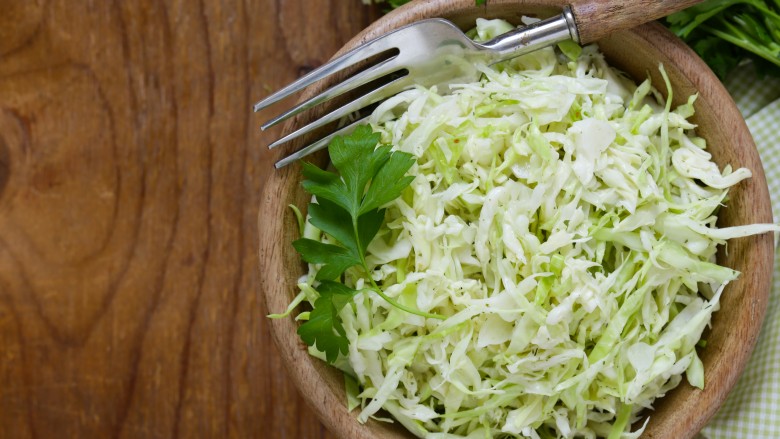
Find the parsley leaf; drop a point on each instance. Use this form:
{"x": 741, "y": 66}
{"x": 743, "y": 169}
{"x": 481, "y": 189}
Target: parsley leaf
{"x": 348, "y": 210}
{"x": 324, "y": 329}
{"x": 335, "y": 259}
{"x": 724, "y": 32}
{"x": 336, "y": 222}
{"x": 389, "y": 182}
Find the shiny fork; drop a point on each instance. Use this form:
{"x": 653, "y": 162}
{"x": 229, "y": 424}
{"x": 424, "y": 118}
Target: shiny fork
{"x": 435, "y": 52}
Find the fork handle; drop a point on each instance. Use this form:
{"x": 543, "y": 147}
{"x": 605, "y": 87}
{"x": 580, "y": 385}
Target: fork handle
{"x": 598, "y": 18}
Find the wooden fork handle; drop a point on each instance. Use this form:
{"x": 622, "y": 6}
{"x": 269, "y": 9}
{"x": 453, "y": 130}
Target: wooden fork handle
{"x": 598, "y": 18}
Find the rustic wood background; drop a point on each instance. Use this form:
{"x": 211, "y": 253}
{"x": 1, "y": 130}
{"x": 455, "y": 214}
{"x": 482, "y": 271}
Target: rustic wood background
{"x": 130, "y": 168}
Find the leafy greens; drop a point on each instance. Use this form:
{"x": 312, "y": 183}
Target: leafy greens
{"x": 347, "y": 208}
{"x": 723, "y": 32}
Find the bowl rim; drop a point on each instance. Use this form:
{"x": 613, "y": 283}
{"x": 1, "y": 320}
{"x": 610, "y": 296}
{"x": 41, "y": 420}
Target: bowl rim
{"x": 327, "y": 397}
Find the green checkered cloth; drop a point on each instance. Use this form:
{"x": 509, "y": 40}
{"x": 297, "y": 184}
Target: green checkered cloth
{"x": 752, "y": 410}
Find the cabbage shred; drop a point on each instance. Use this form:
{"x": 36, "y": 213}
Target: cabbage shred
{"x": 563, "y": 219}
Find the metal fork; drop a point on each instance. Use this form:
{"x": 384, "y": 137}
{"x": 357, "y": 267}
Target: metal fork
{"x": 436, "y": 52}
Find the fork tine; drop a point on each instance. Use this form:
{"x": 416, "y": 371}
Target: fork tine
{"x": 380, "y": 93}
{"x": 355, "y": 55}
{"x": 375, "y": 72}
{"x": 318, "y": 145}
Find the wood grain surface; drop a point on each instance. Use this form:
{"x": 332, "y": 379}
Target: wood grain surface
{"x": 598, "y": 18}
{"x": 130, "y": 172}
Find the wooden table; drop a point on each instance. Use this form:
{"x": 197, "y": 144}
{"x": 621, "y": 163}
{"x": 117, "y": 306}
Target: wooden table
{"x": 130, "y": 167}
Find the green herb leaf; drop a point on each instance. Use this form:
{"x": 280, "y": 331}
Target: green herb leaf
{"x": 335, "y": 221}
{"x": 368, "y": 225}
{"x": 335, "y": 259}
{"x": 333, "y": 190}
{"x": 324, "y": 330}
{"x": 389, "y": 182}
{"x": 724, "y": 32}
{"x": 353, "y": 156}
{"x": 318, "y": 175}
{"x": 347, "y": 208}
{"x": 721, "y": 59}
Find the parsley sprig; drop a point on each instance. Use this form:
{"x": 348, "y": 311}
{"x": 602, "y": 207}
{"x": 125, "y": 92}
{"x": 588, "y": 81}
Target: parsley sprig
{"x": 723, "y": 32}
{"x": 347, "y": 208}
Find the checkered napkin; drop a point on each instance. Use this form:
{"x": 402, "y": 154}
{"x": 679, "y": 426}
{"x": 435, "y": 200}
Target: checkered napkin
{"x": 752, "y": 409}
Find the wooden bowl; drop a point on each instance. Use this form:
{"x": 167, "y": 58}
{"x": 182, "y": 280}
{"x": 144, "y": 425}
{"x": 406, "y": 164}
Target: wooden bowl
{"x": 682, "y": 412}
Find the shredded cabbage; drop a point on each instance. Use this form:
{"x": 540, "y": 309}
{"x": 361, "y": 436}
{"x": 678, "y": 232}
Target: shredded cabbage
{"x": 563, "y": 219}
